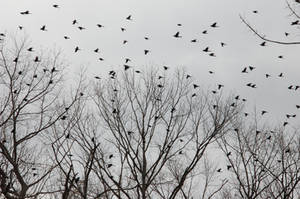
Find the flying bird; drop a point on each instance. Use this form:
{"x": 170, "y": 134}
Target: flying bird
{"x": 177, "y": 35}
{"x": 214, "y": 25}
{"x": 25, "y": 12}
{"x": 129, "y": 17}
{"x": 43, "y": 28}
{"x": 77, "y": 49}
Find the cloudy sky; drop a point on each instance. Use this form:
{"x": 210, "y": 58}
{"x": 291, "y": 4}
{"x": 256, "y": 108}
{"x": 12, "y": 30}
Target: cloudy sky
{"x": 157, "y": 20}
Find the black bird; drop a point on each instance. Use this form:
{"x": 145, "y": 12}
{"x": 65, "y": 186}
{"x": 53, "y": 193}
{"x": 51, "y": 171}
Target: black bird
{"x": 263, "y": 43}
{"x": 298, "y": 106}
{"x": 280, "y": 75}
{"x": 194, "y": 95}
{"x": 194, "y": 40}
{"x": 223, "y": 44}
{"x": 220, "y": 86}
{"x": 15, "y": 60}
{"x": 295, "y": 22}
{"x": 74, "y": 22}
{"x": 146, "y": 52}
{"x": 285, "y": 123}
{"x": 109, "y": 165}
{"x": 127, "y": 60}
{"x": 211, "y": 72}
{"x": 123, "y": 29}
{"x": 126, "y": 67}
{"x": 110, "y": 156}
{"x": 177, "y": 35}
{"x": 30, "y": 49}
{"x": 267, "y": 75}
{"x": 97, "y": 77}
{"x": 96, "y": 50}
{"x": 286, "y": 34}
{"x": 244, "y": 70}
{"x": 43, "y": 28}
{"x": 54, "y": 70}
{"x": 219, "y": 170}
{"x": 129, "y": 17}
{"x": 206, "y": 49}
{"x": 36, "y": 59}
{"x": 188, "y": 76}
{"x": 251, "y": 68}
{"x": 255, "y": 11}
{"x": 56, "y": 6}
{"x": 195, "y": 86}
{"x": 66, "y": 37}
{"x": 212, "y": 54}
{"x": 125, "y": 41}
{"x": 77, "y": 49}
{"x": 166, "y": 68}
{"x": 160, "y": 86}
{"x": 204, "y": 32}
{"x": 179, "y": 24}
{"x": 280, "y": 57}
{"x": 25, "y": 12}
{"x": 228, "y": 154}
{"x": 101, "y": 59}
{"x": 228, "y": 167}
{"x": 20, "y": 27}
{"x": 81, "y": 28}
{"x": 146, "y": 38}
{"x": 100, "y": 26}
{"x": 214, "y": 25}
{"x": 63, "y": 117}
{"x": 263, "y": 112}
{"x": 2, "y": 34}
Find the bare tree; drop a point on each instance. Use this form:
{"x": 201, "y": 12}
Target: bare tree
{"x": 32, "y": 101}
{"x": 292, "y": 6}
{"x": 145, "y": 135}
{"x": 263, "y": 162}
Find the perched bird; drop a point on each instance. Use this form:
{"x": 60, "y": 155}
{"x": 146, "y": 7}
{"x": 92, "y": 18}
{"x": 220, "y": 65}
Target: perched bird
{"x": 127, "y": 60}
{"x": 195, "y": 86}
{"x": 251, "y": 68}
{"x": 30, "y": 49}
{"x": 55, "y": 6}
{"x": 74, "y": 22}
{"x": 96, "y": 50}
{"x": 219, "y": 170}
{"x": 100, "y": 26}
{"x": 223, "y": 44}
{"x": 286, "y": 34}
{"x": 165, "y": 67}
{"x": 110, "y": 156}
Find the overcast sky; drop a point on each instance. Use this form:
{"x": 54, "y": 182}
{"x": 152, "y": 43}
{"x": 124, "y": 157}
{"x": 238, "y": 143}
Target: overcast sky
{"x": 158, "y": 19}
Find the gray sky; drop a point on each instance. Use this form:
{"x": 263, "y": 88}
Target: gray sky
{"x": 158, "y": 19}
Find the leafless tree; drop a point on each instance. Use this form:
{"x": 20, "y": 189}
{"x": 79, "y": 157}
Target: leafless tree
{"x": 145, "y": 135}
{"x": 292, "y": 6}
{"x": 262, "y": 162}
{"x": 32, "y": 101}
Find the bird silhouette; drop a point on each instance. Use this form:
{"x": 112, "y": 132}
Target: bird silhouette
{"x": 204, "y": 32}
{"x": 77, "y": 49}
{"x": 146, "y": 52}
{"x": 206, "y": 49}
{"x": 129, "y": 17}
{"x": 214, "y": 25}
{"x": 126, "y": 67}
{"x": 81, "y": 28}
{"x": 263, "y": 43}
{"x": 43, "y": 28}
{"x": 295, "y": 22}
{"x": 100, "y": 26}
{"x": 55, "y": 6}
{"x": 194, "y": 40}
{"x": 96, "y": 50}
{"x": 25, "y": 12}
{"x": 74, "y": 22}
{"x": 66, "y": 37}
{"x": 176, "y": 35}
{"x": 244, "y": 70}
{"x": 195, "y": 86}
